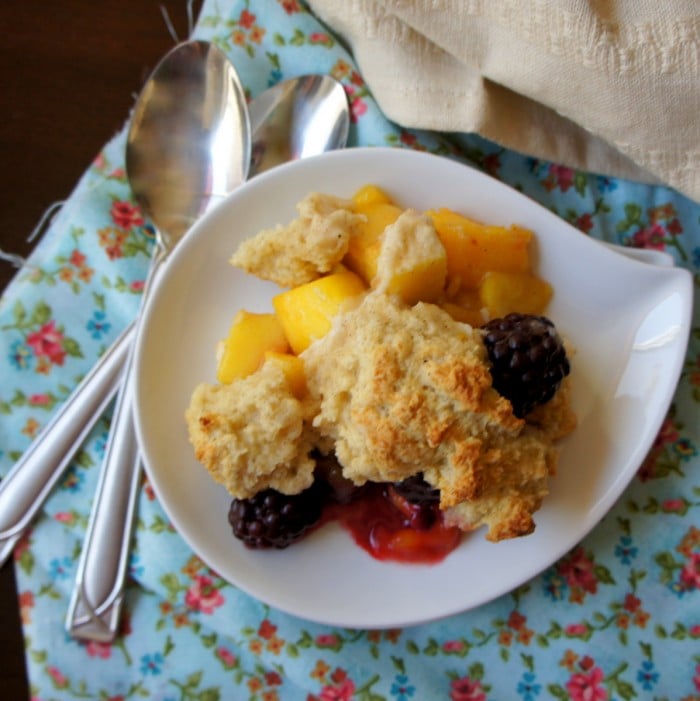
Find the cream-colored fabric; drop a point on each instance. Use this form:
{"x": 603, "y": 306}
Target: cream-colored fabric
{"x": 610, "y": 86}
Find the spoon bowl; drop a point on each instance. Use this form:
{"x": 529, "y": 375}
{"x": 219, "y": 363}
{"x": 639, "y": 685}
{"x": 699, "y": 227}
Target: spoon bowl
{"x": 189, "y": 138}
{"x": 297, "y": 118}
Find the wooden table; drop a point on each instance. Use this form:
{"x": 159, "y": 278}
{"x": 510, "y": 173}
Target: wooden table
{"x": 69, "y": 72}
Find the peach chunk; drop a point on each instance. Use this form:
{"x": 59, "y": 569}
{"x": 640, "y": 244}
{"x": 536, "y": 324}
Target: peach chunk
{"x": 466, "y": 307}
{"x": 366, "y": 241}
{"x": 412, "y": 263}
{"x": 502, "y": 293}
{"x": 249, "y": 337}
{"x": 369, "y": 196}
{"x": 306, "y": 312}
{"x": 293, "y": 369}
{"x": 474, "y": 249}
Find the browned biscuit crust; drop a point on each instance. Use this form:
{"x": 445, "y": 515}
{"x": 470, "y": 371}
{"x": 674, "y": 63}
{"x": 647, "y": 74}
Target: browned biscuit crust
{"x": 252, "y": 434}
{"x": 306, "y": 248}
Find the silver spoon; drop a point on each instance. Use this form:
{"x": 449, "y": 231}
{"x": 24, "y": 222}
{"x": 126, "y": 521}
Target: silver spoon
{"x": 189, "y": 140}
{"x": 195, "y": 95}
{"x": 300, "y": 117}
{"x": 25, "y": 488}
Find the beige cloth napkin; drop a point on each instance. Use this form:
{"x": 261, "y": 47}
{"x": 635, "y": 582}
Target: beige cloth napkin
{"x": 609, "y": 86}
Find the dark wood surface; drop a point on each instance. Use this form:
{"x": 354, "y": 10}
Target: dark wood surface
{"x": 69, "y": 72}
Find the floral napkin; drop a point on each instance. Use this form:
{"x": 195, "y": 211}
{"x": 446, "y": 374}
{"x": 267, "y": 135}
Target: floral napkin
{"x": 618, "y": 617}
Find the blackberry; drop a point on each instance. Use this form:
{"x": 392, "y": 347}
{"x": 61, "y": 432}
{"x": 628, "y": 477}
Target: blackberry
{"x": 416, "y": 500}
{"x": 528, "y": 359}
{"x": 271, "y": 519}
{"x": 329, "y": 472}
{"x": 416, "y": 490}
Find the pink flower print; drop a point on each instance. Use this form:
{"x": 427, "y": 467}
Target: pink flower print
{"x": 563, "y": 175}
{"x": 454, "y": 646}
{"x": 77, "y": 258}
{"x": 650, "y": 237}
{"x": 273, "y": 679}
{"x": 677, "y": 506}
{"x": 558, "y": 176}
{"x": 516, "y": 620}
{"x": 26, "y": 604}
{"x": 58, "y": 679}
{"x": 125, "y": 215}
{"x": 328, "y": 640}
{"x": 47, "y": 342}
{"x": 579, "y": 571}
{"x": 358, "y": 106}
{"x": 356, "y": 78}
{"x": 267, "y": 629}
{"x": 228, "y": 659}
{"x": 137, "y": 286}
{"x": 39, "y": 400}
{"x": 339, "y": 692}
{"x": 584, "y": 222}
{"x": 203, "y": 595}
{"x": 26, "y": 599}
{"x": 291, "y": 6}
{"x": 586, "y": 686}
{"x": 674, "y": 227}
{"x": 247, "y": 19}
{"x": 632, "y": 603}
{"x": 320, "y": 38}
{"x": 690, "y": 574}
{"x": 65, "y": 517}
{"x": 466, "y": 689}
{"x": 102, "y": 650}
{"x": 576, "y": 630}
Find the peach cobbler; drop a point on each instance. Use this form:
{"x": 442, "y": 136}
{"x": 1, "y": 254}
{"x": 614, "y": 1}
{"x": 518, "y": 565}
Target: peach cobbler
{"x": 405, "y": 382}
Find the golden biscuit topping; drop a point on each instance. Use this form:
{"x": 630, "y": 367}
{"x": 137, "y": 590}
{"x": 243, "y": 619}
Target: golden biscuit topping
{"x": 394, "y": 385}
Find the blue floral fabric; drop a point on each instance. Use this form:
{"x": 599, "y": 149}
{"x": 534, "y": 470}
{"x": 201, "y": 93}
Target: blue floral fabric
{"x": 618, "y": 617}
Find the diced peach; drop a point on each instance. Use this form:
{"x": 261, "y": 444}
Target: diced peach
{"x": 502, "y": 293}
{"x": 423, "y": 283}
{"x": 412, "y": 262}
{"x": 366, "y": 241}
{"x": 250, "y": 337}
{"x": 369, "y": 196}
{"x": 306, "y": 312}
{"x": 473, "y": 317}
{"x": 293, "y": 369}
{"x": 474, "y": 249}
{"x": 465, "y": 306}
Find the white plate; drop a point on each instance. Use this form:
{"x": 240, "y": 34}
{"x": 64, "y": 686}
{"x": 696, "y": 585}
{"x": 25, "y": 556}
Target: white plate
{"x": 628, "y": 320}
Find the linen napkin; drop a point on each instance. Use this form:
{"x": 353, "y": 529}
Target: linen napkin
{"x": 615, "y": 618}
{"x": 610, "y": 86}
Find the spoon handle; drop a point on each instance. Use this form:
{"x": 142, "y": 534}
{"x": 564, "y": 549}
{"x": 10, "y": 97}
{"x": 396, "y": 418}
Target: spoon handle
{"x": 95, "y": 606}
{"x": 26, "y": 487}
